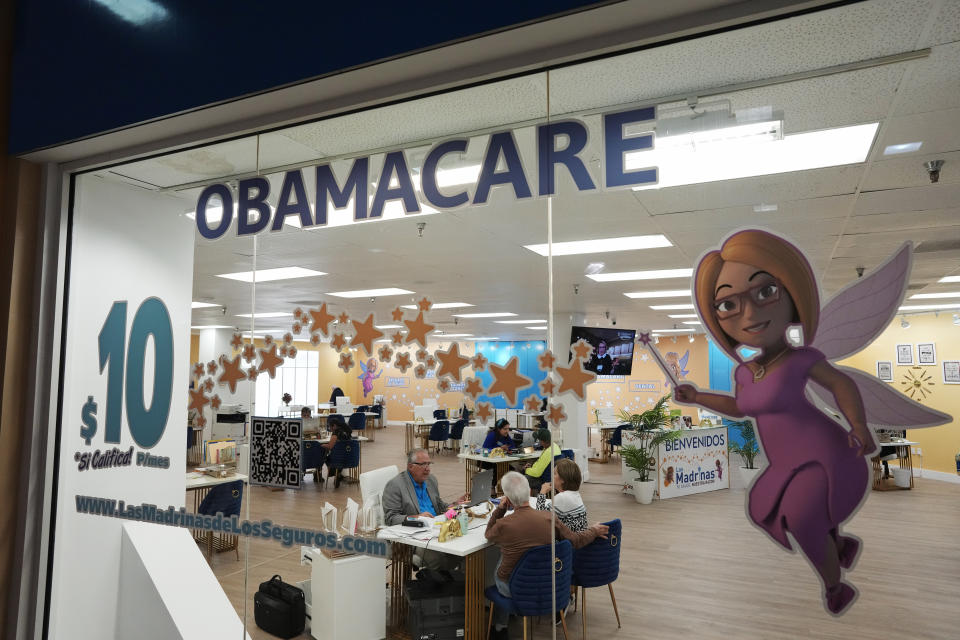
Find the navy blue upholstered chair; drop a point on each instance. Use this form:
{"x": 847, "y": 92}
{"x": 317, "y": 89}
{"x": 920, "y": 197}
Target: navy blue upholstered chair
{"x": 312, "y": 457}
{"x": 456, "y": 432}
{"x": 547, "y": 475}
{"x": 616, "y": 440}
{"x": 226, "y": 499}
{"x": 530, "y": 588}
{"x": 596, "y": 565}
{"x": 439, "y": 414}
{"x": 344, "y": 455}
{"x": 440, "y": 433}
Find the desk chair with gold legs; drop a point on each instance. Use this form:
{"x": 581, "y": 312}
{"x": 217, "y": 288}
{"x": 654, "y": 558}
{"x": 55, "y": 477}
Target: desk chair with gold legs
{"x": 596, "y": 565}
{"x": 226, "y": 499}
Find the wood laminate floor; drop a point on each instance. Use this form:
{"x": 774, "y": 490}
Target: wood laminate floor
{"x": 691, "y": 567}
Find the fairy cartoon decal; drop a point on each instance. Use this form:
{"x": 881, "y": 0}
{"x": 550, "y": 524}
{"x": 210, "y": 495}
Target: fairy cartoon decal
{"x": 748, "y": 294}
{"x": 366, "y": 378}
{"x": 677, "y": 364}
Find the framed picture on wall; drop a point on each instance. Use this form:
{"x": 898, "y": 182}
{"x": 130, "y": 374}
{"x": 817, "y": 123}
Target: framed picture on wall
{"x": 885, "y": 370}
{"x": 951, "y": 371}
{"x": 904, "y": 354}
{"x": 926, "y": 353}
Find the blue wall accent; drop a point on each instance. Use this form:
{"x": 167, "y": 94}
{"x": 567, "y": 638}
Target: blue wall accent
{"x": 721, "y": 378}
{"x": 499, "y": 353}
{"x": 85, "y": 67}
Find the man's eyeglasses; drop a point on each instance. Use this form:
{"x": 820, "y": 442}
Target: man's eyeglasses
{"x": 422, "y": 464}
{"x": 761, "y": 295}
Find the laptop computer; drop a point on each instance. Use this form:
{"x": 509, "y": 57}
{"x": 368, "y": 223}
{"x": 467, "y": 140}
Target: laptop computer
{"x": 481, "y": 487}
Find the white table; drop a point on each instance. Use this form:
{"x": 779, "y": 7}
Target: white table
{"x": 470, "y": 547}
{"x": 903, "y": 450}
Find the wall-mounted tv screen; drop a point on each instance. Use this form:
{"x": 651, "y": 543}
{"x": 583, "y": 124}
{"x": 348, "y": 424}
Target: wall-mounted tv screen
{"x": 612, "y": 349}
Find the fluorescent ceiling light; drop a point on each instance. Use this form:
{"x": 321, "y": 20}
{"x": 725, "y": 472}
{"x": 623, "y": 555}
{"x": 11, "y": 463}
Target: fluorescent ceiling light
{"x": 691, "y": 322}
{"x": 764, "y": 208}
{"x": 675, "y": 293}
{"x": 267, "y": 275}
{"x": 389, "y": 326}
{"x": 906, "y": 147}
{"x": 203, "y": 305}
{"x": 212, "y": 326}
{"x": 214, "y": 214}
{"x": 672, "y": 330}
{"x": 444, "y": 336}
{"x": 950, "y": 279}
{"x": 594, "y": 267}
{"x": 745, "y": 158}
{"x": 670, "y": 307}
{"x": 656, "y": 274}
{"x": 519, "y": 321}
{"x": 439, "y": 305}
{"x": 504, "y": 314}
{"x": 602, "y": 245}
{"x": 271, "y": 314}
{"x": 370, "y": 293}
{"x": 929, "y": 307}
{"x": 922, "y": 296}
{"x": 683, "y": 315}
{"x": 538, "y": 328}
{"x": 343, "y": 216}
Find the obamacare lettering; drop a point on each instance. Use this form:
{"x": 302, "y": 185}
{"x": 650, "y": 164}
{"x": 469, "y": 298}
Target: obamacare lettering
{"x": 394, "y": 182}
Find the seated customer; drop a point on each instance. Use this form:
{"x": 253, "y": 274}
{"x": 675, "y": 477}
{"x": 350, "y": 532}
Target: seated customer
{"x": 566, "y": 501}
{"x": 524, "y": 529}
{"x": 499, "y": 437}
{"x": 339, "y": 431}
{"x": 534, "y": 472}
{"x": 415, "y": 492}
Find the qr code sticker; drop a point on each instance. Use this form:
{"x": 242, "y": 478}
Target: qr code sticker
{"x": 275, "y": 446}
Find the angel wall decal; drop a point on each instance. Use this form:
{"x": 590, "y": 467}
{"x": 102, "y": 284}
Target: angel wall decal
{"x": 677, "y": 364}
{"x": 748, "y": 294}
{"x": 366, "y": 378}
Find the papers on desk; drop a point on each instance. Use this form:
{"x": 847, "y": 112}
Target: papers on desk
{"x": 350, "y": 512}
{"x": 328, "y": 515}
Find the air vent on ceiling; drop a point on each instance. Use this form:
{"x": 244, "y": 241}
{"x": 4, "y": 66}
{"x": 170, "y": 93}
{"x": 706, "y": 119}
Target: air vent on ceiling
{"x": 931, "y": 246}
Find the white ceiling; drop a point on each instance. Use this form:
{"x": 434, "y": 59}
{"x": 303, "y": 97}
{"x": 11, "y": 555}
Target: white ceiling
{"x": 844, "y": 217}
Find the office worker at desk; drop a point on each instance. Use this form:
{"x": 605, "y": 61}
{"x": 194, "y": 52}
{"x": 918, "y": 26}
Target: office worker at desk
{"x": 336, "y": 393}
{"x": 339, "y": 430}
{"x": 499, "y": 436}
{"x": 534, "y": 472}
{"x": 415, "y": 492}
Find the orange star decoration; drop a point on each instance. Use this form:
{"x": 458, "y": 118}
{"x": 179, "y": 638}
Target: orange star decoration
{"x": 547, "y": 361}
{"x": 398, "y": 338}
{"x": 421, "y": 355}
{"x": 532, "y": 404}
{"x": 346, "y": 361}
{"x": 231, "y": 373}
{"x": 507, "y": 381}
{"x": 208, "y": 384}
{"x": 473, "y": 387}
{"x": 385, "y": 353}
{"x": 201, "y": 421}
{"x": 403, "y": 362}
{"x": 556, "y": 414}
{"x": 431, "y": 362}
{"x": 249, "y": 353}
{"x": 582, "y": 349}
{"x": 198, "y": 370}
{"x": 291, "y": 351}
{"x": 198, "y": 399}
{"x": 315, "y": 339}
{"x": 268, "y": 340}
{"x": 397, "y": 314}
{"x": 483, "y": 412}
{"x": 287, "y": 338}
{"x": 237, "y": 342}
{"x": 548, "y": 387}
{"x": 451, "y": 362}
{"x": 365, "y": 334}
{"x": 424, "y": 305}
{"x": 575, "y": 378}
{"x": 443, "y": 385}
{"x": 269, "y": 361}
{"x": 479, "y": 362}
{"x": 215, "y": 402}
{"x": 417, "y": 330}
{"x": 338, "y": 342}
{"x": 343, "y": 318}
{"x": 298, "y": 313}
{"x": 320, "y": 319}
{"x": 252, "y": 373}
{"x": 212, "y": 367}
{"x": 297, "y": 328}
{"x": 283, "y": 351}
{"x": 420, "y": 371}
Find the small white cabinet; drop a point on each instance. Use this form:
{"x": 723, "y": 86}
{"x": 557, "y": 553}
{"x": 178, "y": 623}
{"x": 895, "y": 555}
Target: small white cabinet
{"x": 348, "y": 596}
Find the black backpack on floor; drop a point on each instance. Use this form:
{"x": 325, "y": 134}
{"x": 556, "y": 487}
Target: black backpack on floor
{"x": 279, "y": 608}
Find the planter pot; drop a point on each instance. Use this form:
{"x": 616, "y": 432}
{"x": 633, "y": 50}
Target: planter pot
{"x": 749, "y": 475}
{"x": 643, "y": 491}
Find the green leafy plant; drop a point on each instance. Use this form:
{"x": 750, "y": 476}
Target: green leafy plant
{"x": 652, "y": 428}
{"x": 596, "y": 415}
{"x": 750, "y": 449}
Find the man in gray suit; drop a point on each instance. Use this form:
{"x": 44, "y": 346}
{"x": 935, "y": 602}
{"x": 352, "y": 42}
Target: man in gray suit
{"x": 415, "y": 492}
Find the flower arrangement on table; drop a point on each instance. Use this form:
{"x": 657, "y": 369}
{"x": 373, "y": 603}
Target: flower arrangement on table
{"x": 287, "y": 398}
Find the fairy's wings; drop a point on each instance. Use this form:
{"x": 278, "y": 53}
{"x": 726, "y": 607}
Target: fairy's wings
{"x": 363, "y": 367}
{"x": 860, "y": 312}
{"x": 683, "y": 363}
{"x": 885, "y": 408}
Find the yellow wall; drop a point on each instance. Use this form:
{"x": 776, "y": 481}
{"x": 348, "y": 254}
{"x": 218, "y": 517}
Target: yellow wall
{"x": 938, "y": 444}
{"x": 194, "y": 349}
{"x": 618, "y": 395}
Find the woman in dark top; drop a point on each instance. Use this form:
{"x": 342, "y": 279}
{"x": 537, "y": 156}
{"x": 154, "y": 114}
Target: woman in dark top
{"x": 337, "y": 393}
{"x": 499, "y": 437}
{"x": 339, "y": 431}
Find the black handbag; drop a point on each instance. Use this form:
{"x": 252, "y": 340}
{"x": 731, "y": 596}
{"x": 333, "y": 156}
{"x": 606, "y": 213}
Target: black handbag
{"x": 279, "y": 608}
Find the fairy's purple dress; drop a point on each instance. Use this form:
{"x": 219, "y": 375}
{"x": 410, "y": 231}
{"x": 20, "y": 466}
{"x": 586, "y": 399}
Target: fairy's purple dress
{"x": 804, "y": 447}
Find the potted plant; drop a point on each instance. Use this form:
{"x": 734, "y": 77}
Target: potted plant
{"x": 651, "y": 429}
{"x": 286, "y": 399}
{"x": 748, "y": 450}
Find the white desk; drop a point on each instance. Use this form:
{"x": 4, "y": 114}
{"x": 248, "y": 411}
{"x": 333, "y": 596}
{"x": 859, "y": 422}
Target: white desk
{"x": 470, "y": 547}
{"x": 197, "y": 480}
{"x": 904, "y": 452}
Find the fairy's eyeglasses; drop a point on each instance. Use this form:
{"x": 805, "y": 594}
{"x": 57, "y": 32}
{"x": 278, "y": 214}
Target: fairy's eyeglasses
{"x": 760, "y": 295}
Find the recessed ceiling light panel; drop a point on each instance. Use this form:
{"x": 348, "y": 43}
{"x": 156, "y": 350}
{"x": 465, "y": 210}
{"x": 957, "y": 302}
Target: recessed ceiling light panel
{"x": 439, "y": 305}
{"x": 519, "y": 321}
{"x": 905, "y": 147}
{"x": 370, "y": 293}
{"x": 271, "y": 314}
{"x": 929, "y": 296}
{"x": 670, "y": 307}
{"x": 656, "y": 274}
{"x": 267, "y": 275}
{"x": 602, "y": 245}
{"x": 502, "y": 314}
{"x": 676, "y": 293}
{"x": 203, "y": 305}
